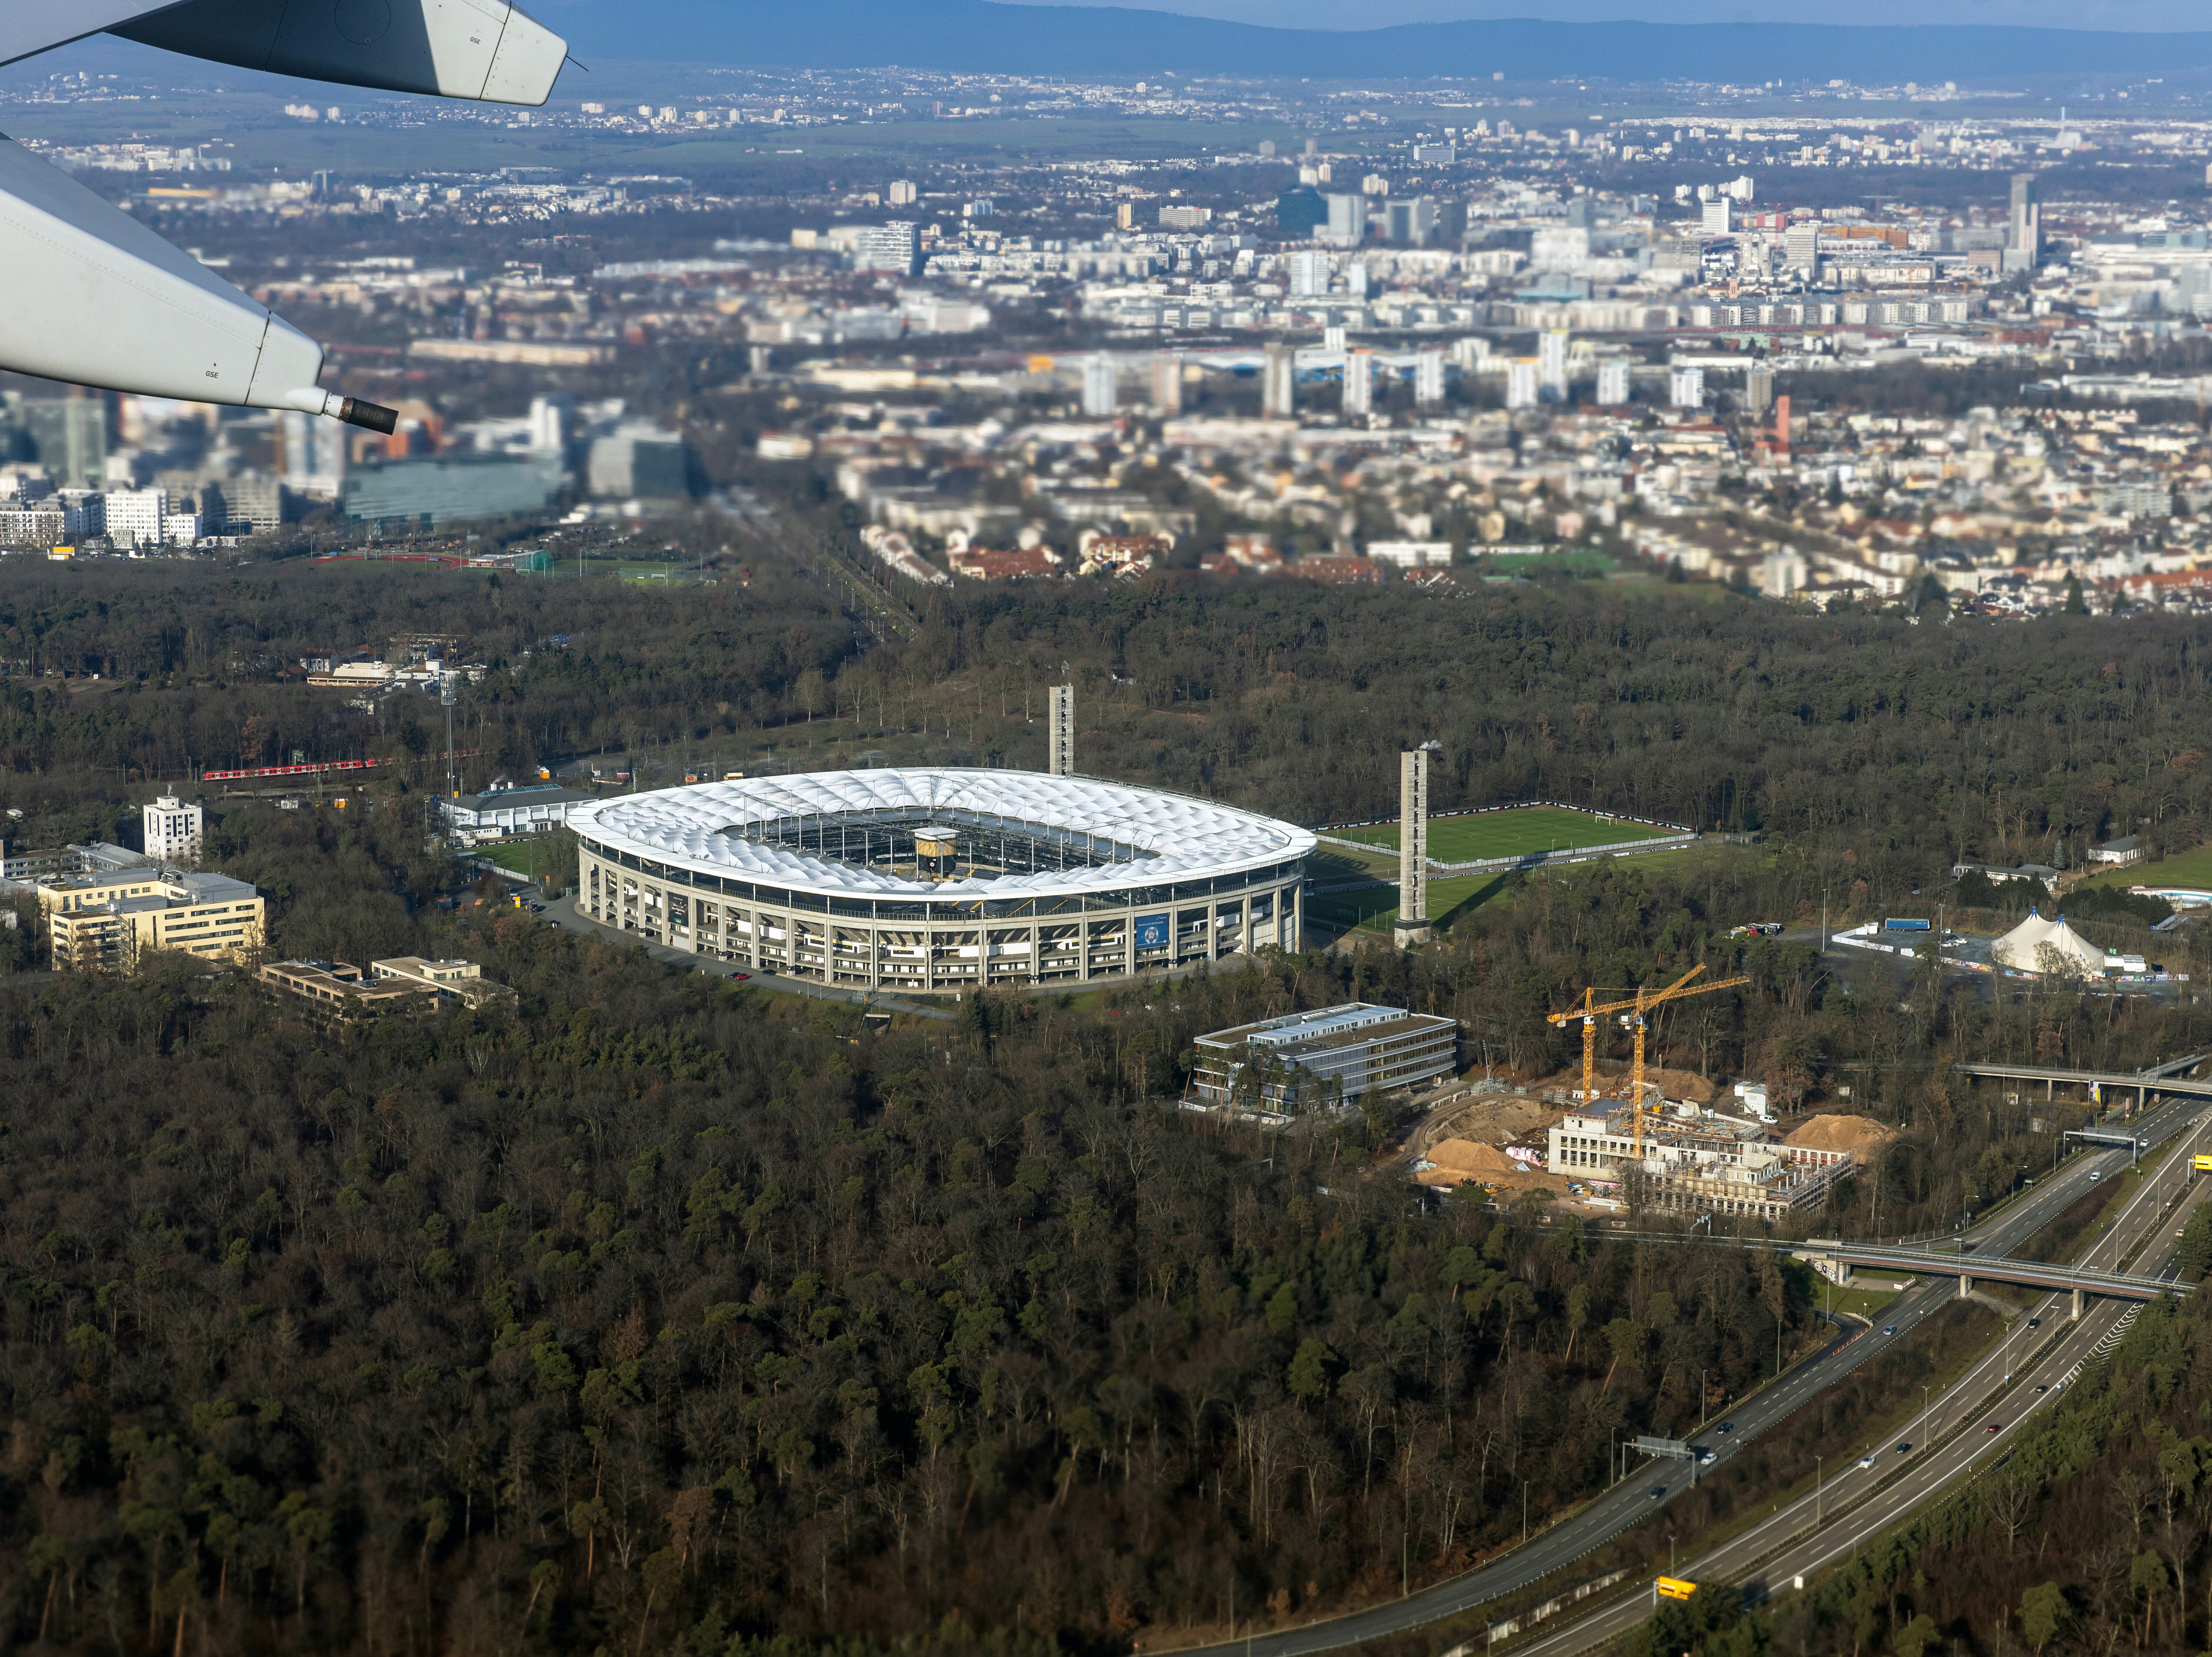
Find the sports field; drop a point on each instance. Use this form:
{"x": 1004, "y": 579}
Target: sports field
{"x": 1510, "y": 833}
{"x": 2190, "y": 868}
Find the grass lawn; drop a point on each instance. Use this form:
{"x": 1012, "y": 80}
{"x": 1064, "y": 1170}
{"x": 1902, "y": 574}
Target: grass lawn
{"x": 529, "y": 859}
{"x": 1376, "y": 907}
{"x": 1509, "y": 833}
{"x": 1859, "y": 1300}
{"x": 2189, "y": 869}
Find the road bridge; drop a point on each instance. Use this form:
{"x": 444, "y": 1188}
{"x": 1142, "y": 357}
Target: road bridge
{"x": 2144, "y": 1084}
{"x": 1967, "y": 1267}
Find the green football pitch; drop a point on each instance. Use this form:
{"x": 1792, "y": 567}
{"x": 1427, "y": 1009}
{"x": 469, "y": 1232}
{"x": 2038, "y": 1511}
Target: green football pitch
{"x": 1510, "y": 833}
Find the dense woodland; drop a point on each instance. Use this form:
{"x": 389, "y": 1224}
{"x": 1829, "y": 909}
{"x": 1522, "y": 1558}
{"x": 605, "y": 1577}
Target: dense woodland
{"x": 1907, "y": 745}
{"x": 664, "y": 1314}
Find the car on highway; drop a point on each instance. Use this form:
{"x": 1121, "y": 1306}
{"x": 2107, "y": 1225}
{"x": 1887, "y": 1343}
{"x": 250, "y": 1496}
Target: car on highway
{"x": 1725, "y": 1426}
{"x": 2043, "y": 1389}
{"x": 2095, "y": 1174}
{"x": 1656, "y": 1492}
{"x": 2035, "y": 1323}
{"x": 1905, "y": 1448}
{"x": 1867, "y": 1460}
{"x": 1992, "y": 1428}
{"x": 1705, "y": 1457}
{"x": 1889, "y": 1329}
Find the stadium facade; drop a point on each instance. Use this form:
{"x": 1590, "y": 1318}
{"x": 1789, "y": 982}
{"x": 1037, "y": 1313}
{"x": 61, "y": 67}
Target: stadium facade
{"x": 940, "y": 880}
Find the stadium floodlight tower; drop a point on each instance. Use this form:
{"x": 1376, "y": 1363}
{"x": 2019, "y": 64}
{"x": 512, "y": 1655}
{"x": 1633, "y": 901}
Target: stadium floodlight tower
{"x": 1060, "y": 732}
{"x": 1412, "y": 923}
{"x": 100, "y": 301}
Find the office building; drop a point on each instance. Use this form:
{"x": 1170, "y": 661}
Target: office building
{"x": 1758, "y": 389}
{"x": 1358, "y": 382}
{"x": 253, "y": 503}
{"x": 1125, "y": 216}
{"x": 1300, "y": 212}
{"x": 1098, "y": 385}
{"x": 894, "y": 248}
{"x": 1713, "y": 217}
{"x": 1435, "y": 154}
{"x": 172, "y": 829}
{"x": 135, "y": 518}
{"x": 1277, "y": 379}
{"x": 311, "y": 454}
{"x": 431, "y": 492}
{"x": 1324, "y": 1060}
{"x": 1177, "y": 215}
{"x": 1552, "y": 363}
{"x": 1523, "y": 383}
{"x": 1347, "y": 220}
{"x": 337, "y": 990}
{"x": 638, "y": 461}
{"x": 1582, "y": 213}
{"x": 71, "y": 436}
{"x": 1612, "y": 382}
{"x": 552, "y": 423}
{"x": 1428, "y": 376}
{"x": 1685, "y": 388}
{"x": 182, "y": 529}
{"x": 1309, "y": 272}
{"x": 1355, "y": 280}
{"x": 1800, "y": 246}
{"x": 1410, "y": 222}
{"x": 1167, "y": 383}
{"x": 112, "y": 921}
{"x": 902, "y": 192}
{"x": 2024, "y": 240}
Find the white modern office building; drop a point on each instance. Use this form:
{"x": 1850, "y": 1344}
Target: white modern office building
{"x": 938, "y": 880}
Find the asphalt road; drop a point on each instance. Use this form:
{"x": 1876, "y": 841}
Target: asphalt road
{"x": 1632, "y": 1500}
{"x": 2022, "y": 1373}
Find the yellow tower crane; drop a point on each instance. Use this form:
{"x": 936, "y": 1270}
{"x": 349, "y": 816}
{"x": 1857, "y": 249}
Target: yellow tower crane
{"x": 1634, "y": 1008}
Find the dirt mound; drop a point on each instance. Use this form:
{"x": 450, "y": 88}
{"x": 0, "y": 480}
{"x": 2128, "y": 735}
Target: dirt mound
{"x": 1493, "y": 1118}
{"x": 1613, "y": 1082}
{"x": 1460, "y": 1160}
{"x": 1860, "y": 1135}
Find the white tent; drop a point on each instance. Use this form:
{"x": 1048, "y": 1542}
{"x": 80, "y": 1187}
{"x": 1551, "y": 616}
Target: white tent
{"x": 2023, "y": 948}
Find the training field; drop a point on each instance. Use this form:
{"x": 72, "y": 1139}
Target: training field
{"x": 1510, "y": 833}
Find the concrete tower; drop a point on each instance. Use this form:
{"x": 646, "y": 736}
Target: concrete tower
{"x": 1413, "y": 926}
{"x": 1060, "y": 732}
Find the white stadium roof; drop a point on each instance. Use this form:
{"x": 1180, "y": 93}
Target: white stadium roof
{"x": 1177, "y": 837}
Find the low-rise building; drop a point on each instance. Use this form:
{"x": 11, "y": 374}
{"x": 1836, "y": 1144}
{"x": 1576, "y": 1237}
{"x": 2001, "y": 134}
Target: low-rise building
{"x": 339, "y": 990}
{"x": 1331, "y": 1056}
{"x": 172, "y": 828}
{"x": 110, "y": 922}
{"x": 461, "y": 981}
{"x": 502, "y": 813}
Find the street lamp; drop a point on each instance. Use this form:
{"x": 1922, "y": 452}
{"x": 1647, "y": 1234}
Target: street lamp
{"x": 1816, "y": 1491}
{"x": 1702, "y": 1373}
{"x": 1524, "y": 1512}
{"x": 1924, "y": 1418}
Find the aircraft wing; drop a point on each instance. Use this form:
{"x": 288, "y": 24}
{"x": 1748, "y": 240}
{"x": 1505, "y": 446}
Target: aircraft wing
{"x": 97, "y": 298}
{"x": 30, "y": 27}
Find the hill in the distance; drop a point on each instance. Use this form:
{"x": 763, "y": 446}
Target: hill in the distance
{"x": 980, "y": 37}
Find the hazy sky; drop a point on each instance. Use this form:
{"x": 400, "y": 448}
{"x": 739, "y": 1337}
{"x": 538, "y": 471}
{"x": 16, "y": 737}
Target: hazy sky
{"x": 2181, "y": 15}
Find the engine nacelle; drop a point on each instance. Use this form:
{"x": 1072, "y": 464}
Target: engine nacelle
{"x": 103, "y": 301}
{"x": 483, "y": 50}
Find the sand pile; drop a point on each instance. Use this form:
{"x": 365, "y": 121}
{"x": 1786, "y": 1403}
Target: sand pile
{"x": 1613, "y": 1081}
{"x": 1860, "y": 1135}
{"x": 1458, "y": 1161}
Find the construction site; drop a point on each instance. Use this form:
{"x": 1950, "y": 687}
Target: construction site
{"x": 1643, "y": 1139}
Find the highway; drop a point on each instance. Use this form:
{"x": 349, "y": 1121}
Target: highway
{"x": 1861, "y": 1502}
{"x": 1630, "y": 1501}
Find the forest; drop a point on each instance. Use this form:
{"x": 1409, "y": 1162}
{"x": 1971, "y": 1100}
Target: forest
{"x": 661, "y": 1313}
{"x": 1900, "y": 747}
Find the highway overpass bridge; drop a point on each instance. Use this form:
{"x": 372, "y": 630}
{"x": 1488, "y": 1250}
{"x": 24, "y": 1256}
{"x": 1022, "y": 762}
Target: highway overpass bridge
{"x": 2159, "y": 1080}
{"x": 1967, "y": 1268}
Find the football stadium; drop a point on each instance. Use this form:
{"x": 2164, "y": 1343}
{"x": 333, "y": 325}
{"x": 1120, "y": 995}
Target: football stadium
{"x": 940, "y": 880}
